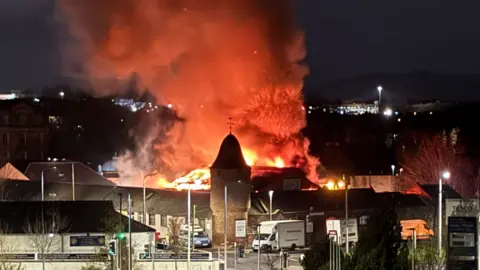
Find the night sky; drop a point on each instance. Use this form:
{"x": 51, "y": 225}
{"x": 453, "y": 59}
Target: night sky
{"x": 344, "y": 38}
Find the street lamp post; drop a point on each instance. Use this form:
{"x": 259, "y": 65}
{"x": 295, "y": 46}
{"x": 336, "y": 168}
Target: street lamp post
{"x": 270, "y": 194}
{"x": 393, "y": 169}
{"x": 445, "y": 175}
{"x": 346, "y": 216}
{"x": 43, "y": 180}
{"x": 130, "y": 263}
{"x": 379, "y": 89}
{"x": 225, "y": 228}
{"x": 189, "y": 202}
{"x": 144, "y": 219}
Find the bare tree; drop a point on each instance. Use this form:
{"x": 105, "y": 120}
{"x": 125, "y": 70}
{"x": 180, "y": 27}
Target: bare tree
{"x": 271, "y": 261}
{"x": 174, "y": 242}
{"x": 434, "y": 155}
{"x": 7, "y": 247}
{"x": 43, "y": 231}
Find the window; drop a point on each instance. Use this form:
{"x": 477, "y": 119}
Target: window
{"x": 164, "y": 221}
{"x": 151, "y": 219}
{"x": 5, "y": 138}
{"x": 363, "y": 220}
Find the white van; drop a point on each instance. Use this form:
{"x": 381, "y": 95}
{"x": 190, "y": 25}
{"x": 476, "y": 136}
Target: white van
{"x": 280, "y": 234}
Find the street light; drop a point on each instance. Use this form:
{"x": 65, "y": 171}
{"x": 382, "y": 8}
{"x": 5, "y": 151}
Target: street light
{"x": 144, "y": 219}
{"x": 270, "y": 194}
{"x": 43, "y": 180}
{"x": 379, "y": 89}
{"x": 445, "y": 175}
{"x": 393, "y": 169}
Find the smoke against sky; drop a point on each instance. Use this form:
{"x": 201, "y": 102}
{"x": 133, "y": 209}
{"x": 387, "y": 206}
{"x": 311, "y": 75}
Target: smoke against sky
{"x": 210, "y": 59}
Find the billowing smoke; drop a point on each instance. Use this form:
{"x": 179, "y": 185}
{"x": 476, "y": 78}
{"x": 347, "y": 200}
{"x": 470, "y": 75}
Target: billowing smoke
{"x": 210, "y": 59}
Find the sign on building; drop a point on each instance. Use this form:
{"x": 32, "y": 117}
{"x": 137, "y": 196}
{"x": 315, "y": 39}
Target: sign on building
{"x": 460, "y": 208}
{"x": 240, "y": 228}
{"x": 87, "y": 241}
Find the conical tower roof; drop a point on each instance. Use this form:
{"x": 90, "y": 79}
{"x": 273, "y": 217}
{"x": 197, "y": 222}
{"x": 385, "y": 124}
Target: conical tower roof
{"x": 230, "y": 155}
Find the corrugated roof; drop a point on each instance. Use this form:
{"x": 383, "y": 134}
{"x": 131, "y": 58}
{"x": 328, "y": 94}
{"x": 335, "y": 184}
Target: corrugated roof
{"x": 63, "y": 173}
{"x": 80, "y": 216}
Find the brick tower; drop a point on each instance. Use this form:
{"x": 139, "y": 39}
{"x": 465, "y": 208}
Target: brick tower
{"x": 231, "y": 170}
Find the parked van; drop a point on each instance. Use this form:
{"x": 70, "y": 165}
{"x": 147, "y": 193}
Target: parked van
{"x": 280, "y": 234}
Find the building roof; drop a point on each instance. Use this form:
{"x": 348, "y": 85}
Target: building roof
{"x": 447, "y": 191}
{"x": 273, "y": 178}
{"x": 78, "y": 216}
{"x": 9, "y": 172}
{"x": 63, "y": 173}
{"x": 230, "y": 155}
{"x": 159, "y": 201}
{"x": 323, "y": 200}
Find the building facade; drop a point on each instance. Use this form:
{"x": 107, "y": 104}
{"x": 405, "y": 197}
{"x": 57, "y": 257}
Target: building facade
{"x": 23, "y": 131}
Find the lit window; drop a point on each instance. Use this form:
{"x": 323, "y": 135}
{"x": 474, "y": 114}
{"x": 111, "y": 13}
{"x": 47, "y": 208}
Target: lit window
{"x": 363, "y": 220}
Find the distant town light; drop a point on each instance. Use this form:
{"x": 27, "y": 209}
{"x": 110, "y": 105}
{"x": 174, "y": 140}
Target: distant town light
{"x": 388, "y": 112}
{"x": 62, "y": 94}
{"x": 36, "y": 100}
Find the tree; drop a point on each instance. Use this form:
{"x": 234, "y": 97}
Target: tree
{"x": 434, "y": 155}
{"x": 271, "y": 261}
{"x": 427, "y": 258}
{"x": 174, "y": 242}
{"x": 114, "y": 226}
{"x": 7, "y": 247}
{"x": 381, "y": 246}
{"x": 44, "y": 229}
{"x": 317, "y": 256}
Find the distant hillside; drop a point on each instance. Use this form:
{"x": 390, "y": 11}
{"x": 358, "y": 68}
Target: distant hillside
{"x": 400, "y": 87}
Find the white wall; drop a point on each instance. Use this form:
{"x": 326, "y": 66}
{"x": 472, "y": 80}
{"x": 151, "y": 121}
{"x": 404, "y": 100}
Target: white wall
{"x": 22, "y": 243}
{"x": 182, "y": 265}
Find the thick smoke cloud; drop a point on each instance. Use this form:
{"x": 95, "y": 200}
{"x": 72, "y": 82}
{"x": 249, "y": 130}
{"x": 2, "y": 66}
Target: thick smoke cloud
{"x": 210, "y": 59}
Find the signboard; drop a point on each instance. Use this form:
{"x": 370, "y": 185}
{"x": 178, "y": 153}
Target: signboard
{"x": 74, "y": 257}
{"x": 171, "y": 256}
{"x": 87, "y": 241}
{"x": 18, "y": 257}
{"x": 333, "y": 225}
{"x": 352, "y": 230}
{"x": 240, "y": 228}
{"x": 462, "y": 238}
{"x": 460, "y": 208}
{"x": 309, "y": 227}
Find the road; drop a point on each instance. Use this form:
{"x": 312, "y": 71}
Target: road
{"x": 267, "y": 261}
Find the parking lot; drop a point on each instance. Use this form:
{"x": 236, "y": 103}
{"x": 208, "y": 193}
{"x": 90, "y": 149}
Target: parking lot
{"x": 267, "y": 261}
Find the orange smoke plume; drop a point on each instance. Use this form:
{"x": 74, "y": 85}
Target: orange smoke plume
{"x": 210, "y": 60}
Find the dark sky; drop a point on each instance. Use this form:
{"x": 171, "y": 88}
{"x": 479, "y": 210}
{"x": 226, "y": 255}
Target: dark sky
{"x": 344, "y": 38}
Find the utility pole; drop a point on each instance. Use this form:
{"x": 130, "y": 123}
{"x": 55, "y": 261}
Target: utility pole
{"x": 130, "y": 231}
{"x": 73, "y": 181}
{"x": 225, "y": 229}
{"x": 346, "y": 215}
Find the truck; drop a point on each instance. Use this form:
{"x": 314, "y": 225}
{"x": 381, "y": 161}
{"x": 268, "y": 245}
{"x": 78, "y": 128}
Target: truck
{"x": 280, "y": 235}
